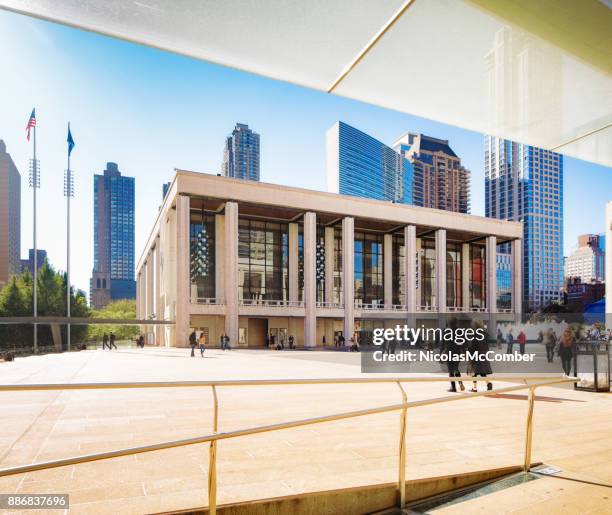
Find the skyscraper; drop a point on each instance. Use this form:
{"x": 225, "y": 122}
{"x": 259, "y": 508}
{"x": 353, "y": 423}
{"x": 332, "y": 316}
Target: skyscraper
{"x": 113, "y": 271}
{"x": 361, "y": 166}
{"x": 588, "y": 260}
{"x": 525, "y": 183}
{"x": 440, "y": 181}
{"x": 28, "y": 264}
{"x": 241, "y": 154}
{"x": 10, "y": 216}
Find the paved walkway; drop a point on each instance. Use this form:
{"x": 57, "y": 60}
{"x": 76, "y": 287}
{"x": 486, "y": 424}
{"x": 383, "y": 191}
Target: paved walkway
{"x": 572, "y": 432}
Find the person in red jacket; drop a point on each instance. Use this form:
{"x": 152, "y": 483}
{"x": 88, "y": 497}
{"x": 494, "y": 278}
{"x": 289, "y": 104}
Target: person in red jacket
{"x": 522, "y": 340}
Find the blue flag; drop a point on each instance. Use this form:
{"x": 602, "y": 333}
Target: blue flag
{"x": 70, "y": 140}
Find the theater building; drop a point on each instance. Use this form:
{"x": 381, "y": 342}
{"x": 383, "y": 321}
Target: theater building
{"x": 253, "y": 260}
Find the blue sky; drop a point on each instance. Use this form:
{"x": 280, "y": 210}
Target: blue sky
{"x": 152, "y": 111}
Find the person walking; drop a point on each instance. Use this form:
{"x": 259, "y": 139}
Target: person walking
{"x": 454, "y": 355}
{"x": 509, "y": 342}
{"x": 226, "y": 342}
{"x": 499, "y": 338}
{"x": 112, "y": 341}
{"x": 105, "y": 341}
{"x": 481, "y": 366}
{"x": 522, "y": 340}
{"x": 566, "y": 350}
{"x": 291, "y": 342}
{"x": 202, "y": 343}
{"x": 141, "y": 341}
{"x": 550, "y": 341}
{"x": 192, "y": 342}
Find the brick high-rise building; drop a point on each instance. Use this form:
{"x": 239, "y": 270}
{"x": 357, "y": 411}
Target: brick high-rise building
{"x": 440, "y": 181}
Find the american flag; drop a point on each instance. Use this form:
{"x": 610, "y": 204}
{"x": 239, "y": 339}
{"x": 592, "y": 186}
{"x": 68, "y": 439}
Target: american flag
{"x": 31, "y": 122}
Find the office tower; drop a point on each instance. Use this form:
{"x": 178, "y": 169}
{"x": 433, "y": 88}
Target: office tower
{"x": 241, "y": 154}
{"x": 587, "y": 261}
{"x": 440, "y": 182}
{"x": 10, "y": 216}
{"x": 28, "y": 264}
{"x": 525, "y": 183}
{"x": 113, "y": 271}
{"x": 361, "y": 166}
{"x": 165, "y": 188}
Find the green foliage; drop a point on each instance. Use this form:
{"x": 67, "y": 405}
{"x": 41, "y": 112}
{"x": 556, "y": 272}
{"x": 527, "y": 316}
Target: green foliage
{"x": 16, "y": 299}
{"x": 118, "y": 309}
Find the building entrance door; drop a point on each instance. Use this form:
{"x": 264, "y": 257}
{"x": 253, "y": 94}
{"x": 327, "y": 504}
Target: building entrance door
{"x": 256, "y": 335}
{"x": 279, "y": 335}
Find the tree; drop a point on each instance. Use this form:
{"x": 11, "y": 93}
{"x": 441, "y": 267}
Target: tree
{"x": 16, "y": 300}
{"x": 118, "y": 309}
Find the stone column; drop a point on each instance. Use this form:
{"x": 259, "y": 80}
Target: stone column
{"x": 150, "y": 286}
{"x": 310, "y": 279}
{"x": 157, "y": 309}
{"x": 220, "y": 258}
{"x": 465, "y": 277}
{"x": 293, "y": 261}
{"x": 182, "y": 319}
{"x": 441, "y": 270}
{"x": 491, "y": 267}
{"x": 329, "y": 264}
{"x": 348, "y": 275}
{"x": 517, "y": 276}
{"x": 138, "y": 296}
{"x": 410, "y": 268}
{"x": 231, "y": 271}
{"x": 388, "y": 270}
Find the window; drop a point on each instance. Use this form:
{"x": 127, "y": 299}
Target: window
{"x": 369, "y": 268}
{"x": 201, "y": 255}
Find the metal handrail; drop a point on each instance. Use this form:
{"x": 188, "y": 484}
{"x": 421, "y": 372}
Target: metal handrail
{"x": 216, "y": 436}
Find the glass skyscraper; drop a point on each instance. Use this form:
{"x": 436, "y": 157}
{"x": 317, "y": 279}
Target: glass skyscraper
{"x": 525, "y": 183}
{"x": 361, "y": 166}
{"x": 241, "y": 154}
{"x": 113, "y": 271}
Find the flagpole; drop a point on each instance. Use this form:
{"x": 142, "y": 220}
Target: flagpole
{"x": 68, "y": 194}
{"x": 35, "y": 285}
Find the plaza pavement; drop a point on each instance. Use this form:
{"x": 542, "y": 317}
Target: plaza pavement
{"x": 572, "y": 431}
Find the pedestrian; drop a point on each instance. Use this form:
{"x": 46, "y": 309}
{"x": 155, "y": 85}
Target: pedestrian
{"x": 522, "y": 339}
{"x": 509, "y": 342}
{"x": 105, "y": 341}
{"x": 550, "y": 341}
{"x": 566, "y": 350}
{"x": 481, "y": 365}
{"x": 192, "y": 342}
{"x": 292, "y": 341}
{"x": 353, "y": 345}
{"x": 499, "y": 338}
{"x": 268, "y": 341}
{"x": 226, "y": 342}
{"x": 202, "y": 343}
{"x": 341, "y": 341}
{"x": 454, "y": 353}
{"x": 141, "y": 341}
{"x": 112, "y": 341}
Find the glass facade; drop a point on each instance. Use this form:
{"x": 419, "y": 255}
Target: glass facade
{"x": 337, "y": 291}
{"x": 114, "y": 233}
{"x": 453, "y": 275}
{"x": 368, "y": 168}
{"x": 525, "y": 183}
{"x": 320, "y": 264}
{"x": 478, "y": 286}
{"x": 398, "y": 276}
{"x": 428, "y": 273}
{"x": 503, "y": 275}
{"x": 263, "y": 260}
{"x": 241, "y": 154}
{"x": 202, "y": 255}
{"x": 369, "y": 268}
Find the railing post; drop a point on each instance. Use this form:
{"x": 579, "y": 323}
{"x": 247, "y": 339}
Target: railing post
{"x": 529, "y": 430}
{"x": 402, "y": 449}
{"x": 212, "y": 460}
